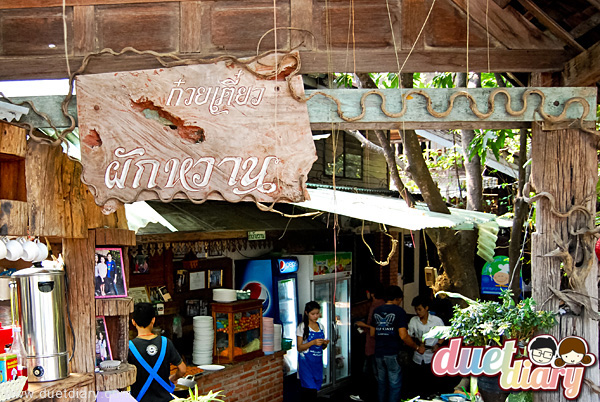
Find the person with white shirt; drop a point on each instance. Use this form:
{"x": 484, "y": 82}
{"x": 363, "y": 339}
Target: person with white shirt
{"x": 417, "y": 327}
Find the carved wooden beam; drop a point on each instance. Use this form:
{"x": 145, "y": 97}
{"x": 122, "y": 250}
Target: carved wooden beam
{"x": 582, "y": 70}
{"x": 323, "y": 110}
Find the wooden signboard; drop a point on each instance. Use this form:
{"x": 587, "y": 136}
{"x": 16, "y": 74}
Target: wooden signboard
{"x": 203, "y": 132}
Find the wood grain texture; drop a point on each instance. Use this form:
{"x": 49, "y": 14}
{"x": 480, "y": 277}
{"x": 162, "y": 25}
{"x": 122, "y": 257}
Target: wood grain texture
{"x": 114, "y": 237}
{"x": 552, "y": 25}
{"x": 77, "y": 388}
{"x": 367, "y": 60}
{"x": 116, "y": 379}
{"x": 56, "y": 194}
{"x": 79, "y": 260}
{"x": 301, "y": 16}
{"x": 507, "y": 26}
{"x": 84, "y": 30}
{"x": 13, "y": 218}
{"x": 190, "y": 40}
{"x": 13, "y": 140}
{"x": 191, "y": 236}
{"x": 564, "y": 163}
{"x": 114, "y": 306}
{"x": 582, "y": 70}
{"x": 267, "y": 159}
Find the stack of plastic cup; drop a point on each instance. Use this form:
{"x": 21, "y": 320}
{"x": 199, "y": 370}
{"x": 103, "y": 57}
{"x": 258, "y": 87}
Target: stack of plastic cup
{"x": 204, "y": 336}
{"x": 268, "y": 332}
{"x": 277, "y": 329}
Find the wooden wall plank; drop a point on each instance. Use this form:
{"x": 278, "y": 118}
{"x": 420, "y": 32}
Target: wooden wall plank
{"x": 235, "y": 27}
{"x": 153, "y": 26}
{"x": 371, "y": 27}
{"x": 301, "y": 16}
{"x": 13, "y": 218}
{"x": 79, "y": 261}
{"x": 191, "y": 27}
{"x": 34, "y": 32}
{"x": 84, "y": 30}
{"x": 19, "y": 4}
{"x": 13, "y": 140}
{"x": 414, "y": 13}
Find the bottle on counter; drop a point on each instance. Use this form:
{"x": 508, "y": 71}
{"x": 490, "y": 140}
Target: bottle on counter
{"x": 18, "y": 348}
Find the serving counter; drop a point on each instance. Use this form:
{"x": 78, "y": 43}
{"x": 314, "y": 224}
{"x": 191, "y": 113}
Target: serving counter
{"x": 256, "y": 380}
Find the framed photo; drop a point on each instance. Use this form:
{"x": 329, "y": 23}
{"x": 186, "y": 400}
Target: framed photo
{"x": 109, "y": 275}
{"x": 103, "y": 351}
{"x": 139, "y": 295}
{"x": 140, "y": 264}
{"x": 215, "y": 278}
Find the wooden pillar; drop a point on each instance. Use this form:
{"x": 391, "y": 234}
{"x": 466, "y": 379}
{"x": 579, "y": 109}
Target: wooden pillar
{"x": 79, "y": 262}
{"x": 565, "y": 166}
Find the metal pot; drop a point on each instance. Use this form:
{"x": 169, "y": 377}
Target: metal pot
{"x": 40, "y": 296}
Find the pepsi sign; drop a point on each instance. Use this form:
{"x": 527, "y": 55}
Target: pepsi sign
{"x": 287, "y": 265}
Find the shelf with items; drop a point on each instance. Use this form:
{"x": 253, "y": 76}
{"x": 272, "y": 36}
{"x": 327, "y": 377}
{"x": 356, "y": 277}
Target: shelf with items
{"x": 238, "y": 329}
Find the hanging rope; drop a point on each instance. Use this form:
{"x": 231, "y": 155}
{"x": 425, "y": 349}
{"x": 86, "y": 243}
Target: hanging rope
{"x": 392, "y": 251}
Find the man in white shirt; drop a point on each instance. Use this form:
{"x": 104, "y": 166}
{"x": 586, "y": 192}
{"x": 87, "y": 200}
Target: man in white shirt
{"x": 417, "y": 327}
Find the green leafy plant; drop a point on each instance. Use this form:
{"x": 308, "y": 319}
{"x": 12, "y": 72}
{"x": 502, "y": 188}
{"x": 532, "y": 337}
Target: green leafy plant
{"x": 484, "y": 323}
{"x": 195, "y": 397}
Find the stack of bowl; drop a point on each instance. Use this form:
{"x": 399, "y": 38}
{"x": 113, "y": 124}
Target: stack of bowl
{"x": 224, "y": 295}
{"x": 277, "y": 334}
{"x": 204, "y": 336}
{"x": 268, "y": 332}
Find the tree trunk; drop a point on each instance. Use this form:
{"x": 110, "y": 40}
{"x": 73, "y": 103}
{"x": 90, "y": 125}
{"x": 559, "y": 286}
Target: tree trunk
{"x": 521, "y": 210}
{"x": 472, "y": 164}
{"x": 565, "y": 165}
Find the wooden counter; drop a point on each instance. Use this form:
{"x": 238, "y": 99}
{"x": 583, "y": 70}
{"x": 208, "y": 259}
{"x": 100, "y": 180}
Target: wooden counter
{"x": 76, "y": 387}
{"x": 257, "y": 380}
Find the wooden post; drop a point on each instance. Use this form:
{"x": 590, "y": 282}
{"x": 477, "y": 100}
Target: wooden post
{"x": 565, "y": 166}
{"x": 79, "y": 262}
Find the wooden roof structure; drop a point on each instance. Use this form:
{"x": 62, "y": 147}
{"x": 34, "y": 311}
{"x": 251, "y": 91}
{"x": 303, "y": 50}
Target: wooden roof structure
{"x": 332, "y": 36}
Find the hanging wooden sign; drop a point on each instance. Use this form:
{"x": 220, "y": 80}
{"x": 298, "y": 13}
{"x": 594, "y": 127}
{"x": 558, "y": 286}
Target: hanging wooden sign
{"x": 201, "y": 132}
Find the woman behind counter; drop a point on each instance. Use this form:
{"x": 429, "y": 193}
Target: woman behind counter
{"x": 311, "y": 342}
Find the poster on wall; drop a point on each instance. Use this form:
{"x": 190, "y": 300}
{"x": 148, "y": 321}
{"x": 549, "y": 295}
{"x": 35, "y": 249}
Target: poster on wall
{"x": 495, "y": 276}
{"x": 109, "y": 275}
{"x": 330, "y": 263}
{"x": 206, "y": 131}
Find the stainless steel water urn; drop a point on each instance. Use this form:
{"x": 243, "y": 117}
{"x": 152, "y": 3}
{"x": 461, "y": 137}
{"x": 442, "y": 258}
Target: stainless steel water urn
{"x": 40, "y": 296}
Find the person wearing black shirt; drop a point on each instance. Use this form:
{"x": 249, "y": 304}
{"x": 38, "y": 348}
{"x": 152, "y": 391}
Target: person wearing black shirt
{"x": 152, "y": 355}
{"x": 391, "y": 325}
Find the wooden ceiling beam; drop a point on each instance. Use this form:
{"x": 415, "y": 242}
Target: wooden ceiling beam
{"x": 369, "y": 61}
{"x": 583, "y": 70}
{"x": 16, "y": 4}
{"x": 586, "y": 26}
{"x": 595, "y": 3}
{"x": 549, "y": 23}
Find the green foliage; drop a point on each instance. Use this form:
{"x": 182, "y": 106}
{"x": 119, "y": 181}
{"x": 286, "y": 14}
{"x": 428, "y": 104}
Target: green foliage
{"x": 484, "y": 323}
{"x": 196, "y": 397}
{"x": 523, "y": 396}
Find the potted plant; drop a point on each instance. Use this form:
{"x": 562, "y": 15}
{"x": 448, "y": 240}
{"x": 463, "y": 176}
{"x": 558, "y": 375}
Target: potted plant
{"x": 490, "y": 323}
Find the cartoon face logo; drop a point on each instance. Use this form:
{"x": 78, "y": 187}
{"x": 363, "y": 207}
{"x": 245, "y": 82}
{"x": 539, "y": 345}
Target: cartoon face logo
{"x": 542, "y": 350}
{"x": 501, "y": 278}
{"x": 573, "y": 350}
{"x": 151, "y": 350}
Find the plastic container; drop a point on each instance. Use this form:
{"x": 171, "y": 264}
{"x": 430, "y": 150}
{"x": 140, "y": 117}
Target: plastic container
{"x": 286, "y": 343}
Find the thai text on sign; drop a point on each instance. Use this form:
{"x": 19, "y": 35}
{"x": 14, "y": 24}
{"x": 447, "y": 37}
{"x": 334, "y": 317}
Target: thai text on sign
{"x": 203, "y": 132}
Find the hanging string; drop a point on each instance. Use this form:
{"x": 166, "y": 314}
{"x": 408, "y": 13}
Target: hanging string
{"x": 487, "y": 30}
{"x": 468, "y": 24}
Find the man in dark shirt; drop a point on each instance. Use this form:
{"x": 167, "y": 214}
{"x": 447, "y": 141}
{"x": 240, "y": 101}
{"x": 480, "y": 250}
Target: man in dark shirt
{"x": 152, "y": 355}
{"x": 391, "y": 325}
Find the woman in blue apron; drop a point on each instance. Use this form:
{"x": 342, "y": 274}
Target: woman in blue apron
{"x": 311, "y": 342}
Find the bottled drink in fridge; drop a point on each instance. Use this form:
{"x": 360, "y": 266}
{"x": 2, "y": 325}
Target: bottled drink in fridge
{"x": 18, "y": 348}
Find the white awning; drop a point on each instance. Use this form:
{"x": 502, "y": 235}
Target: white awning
{"x": 391, "y": 211}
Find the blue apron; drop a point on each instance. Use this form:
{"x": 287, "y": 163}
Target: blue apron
{"x": 152, "y": 371}
{"x": 310, "y": 363}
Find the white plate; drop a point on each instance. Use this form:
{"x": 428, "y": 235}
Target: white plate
{"x": 211, "y": 367}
